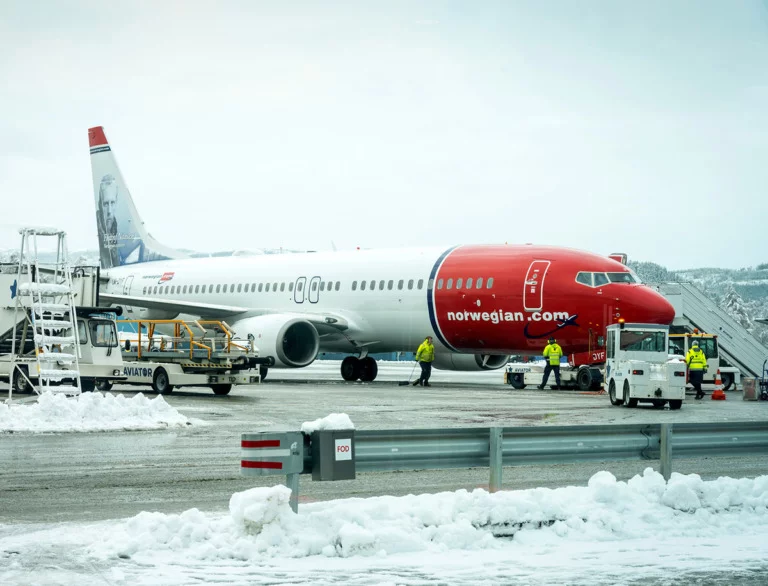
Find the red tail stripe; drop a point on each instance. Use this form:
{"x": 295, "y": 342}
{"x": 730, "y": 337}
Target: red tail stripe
{"x": 260, "y": 444}
{"x": 96, "y": 136}
{"x": 272, "y": 465}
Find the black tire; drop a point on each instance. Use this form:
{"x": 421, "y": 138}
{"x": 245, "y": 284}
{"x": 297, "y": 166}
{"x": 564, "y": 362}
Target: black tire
{"x": 516, "y": 379}
{"x": 675, "y": 404}
{"x": 104, "y": 385}
{"x": 263, "y": 371}
{"x": 350, "y": 368}
{"x": 659, "y": 403}
{"x": 584, "y": 378}
{"x": 221, "y": 389}
{"x": 727, "y": 379}
{"x": 368, "y": 369}
{"x": 20, "y": 384}
{"x": 161, "y": 383}
{"x": 87, "y": 385}
{"x": 612, "y": 394}
{"x": 631, "y": 403}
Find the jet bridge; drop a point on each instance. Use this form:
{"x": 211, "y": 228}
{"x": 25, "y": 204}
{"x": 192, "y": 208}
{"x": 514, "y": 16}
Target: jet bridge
{"x": 693, "y": 309}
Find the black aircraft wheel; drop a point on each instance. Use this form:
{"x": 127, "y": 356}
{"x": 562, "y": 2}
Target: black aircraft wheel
{"x": 612, "y": 394}
{"x": 350, "y": 368}
{"x": 517, "y": 380}
{"x": 221, "y": 389}
{"x": 161, "y": 383}
{"x": 627, "y": 401}
{"x": 368, "y": 369}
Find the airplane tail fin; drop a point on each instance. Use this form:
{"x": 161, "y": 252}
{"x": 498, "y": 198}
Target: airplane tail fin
{"x": 123, "y": 239}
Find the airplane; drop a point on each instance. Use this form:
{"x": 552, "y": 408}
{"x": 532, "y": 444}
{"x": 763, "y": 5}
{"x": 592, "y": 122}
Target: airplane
{"x": 480, "y": 303}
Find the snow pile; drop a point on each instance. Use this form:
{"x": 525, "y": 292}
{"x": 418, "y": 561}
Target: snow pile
{"x": 332, "y": 421}
{"x": 90, "y": 412}
{"x": 261, "y": 524}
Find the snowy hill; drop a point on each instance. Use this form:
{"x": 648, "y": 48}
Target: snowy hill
{"x": 742, "y": 293}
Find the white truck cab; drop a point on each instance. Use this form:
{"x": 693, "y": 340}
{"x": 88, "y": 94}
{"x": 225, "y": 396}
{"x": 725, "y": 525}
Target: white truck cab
{"x": 638, "y": 367}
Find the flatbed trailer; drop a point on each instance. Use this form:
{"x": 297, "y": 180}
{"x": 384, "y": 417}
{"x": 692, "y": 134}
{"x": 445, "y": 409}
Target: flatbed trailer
{"x": 168, "y": 354}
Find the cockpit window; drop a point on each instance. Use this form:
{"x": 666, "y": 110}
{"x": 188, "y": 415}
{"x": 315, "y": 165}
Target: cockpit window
{"x": 584, "y": 279}
{"x": 622, "y": 278}
{"x": 600, "y": 279}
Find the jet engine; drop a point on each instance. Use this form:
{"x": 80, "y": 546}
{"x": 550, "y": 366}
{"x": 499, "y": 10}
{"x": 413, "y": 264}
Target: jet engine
{"x": 292, "y": 341}
{"x": 469, "y": 362}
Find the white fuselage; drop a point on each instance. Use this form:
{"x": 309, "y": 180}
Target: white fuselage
{"x": 391, "y": 318}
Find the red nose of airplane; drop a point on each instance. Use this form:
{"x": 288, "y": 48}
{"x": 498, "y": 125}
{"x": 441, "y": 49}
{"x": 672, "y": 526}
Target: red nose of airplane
{"x": 644, "y": 305}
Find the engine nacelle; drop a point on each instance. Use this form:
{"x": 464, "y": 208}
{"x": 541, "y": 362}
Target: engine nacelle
{"x": 470, "y": 362}
{"x": 292, "y": 341}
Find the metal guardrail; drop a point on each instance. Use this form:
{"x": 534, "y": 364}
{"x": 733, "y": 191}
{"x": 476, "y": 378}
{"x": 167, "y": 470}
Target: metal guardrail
{"x": 416, "y": 449}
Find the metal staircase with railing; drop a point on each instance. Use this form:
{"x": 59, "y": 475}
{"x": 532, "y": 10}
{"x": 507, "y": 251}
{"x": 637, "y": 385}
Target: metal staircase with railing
{"x": 44, "y": 319}
{"x": 693, "y": 309}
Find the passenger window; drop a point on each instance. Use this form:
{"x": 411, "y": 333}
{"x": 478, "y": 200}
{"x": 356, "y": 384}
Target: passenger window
{"x": 322, "y": 285}
{"x": 354, "y": 285}
{"x": 400, "y": 284}
{"x": 420, "y": 284}
{"x": 458, "y": 283}
{"x": 300, "y": 286}
{"x": 282, "y": 287}
{"x": 431, "y": 284}
{"x": 390, "y": 284}
{"x": 489, "y": 283}
{"x": 469, "y": 283}
{"x": 266, "y": 287}
{"x": 362, "y": 285}
{"x": 439, "y": 283}
{"x": 381, "y": 285}
{"x": 410, "y": 283}
{"x": 449, "y": 285}
{"x": 202, "y": 289}
{"x": 479, "y": 283}
{"x": 373, "y": 285}
{"x": 197, "y": 289}
{"x": 600, "y": 279}
{"x": 274, "y": 286}
{"x": 290, "y": 286}
{"x": 314, "y": 285}
{"x": 261, "y": 287}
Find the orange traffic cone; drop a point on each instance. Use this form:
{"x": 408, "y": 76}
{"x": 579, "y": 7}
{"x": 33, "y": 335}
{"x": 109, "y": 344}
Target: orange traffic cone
{"x": 718, "y": 394}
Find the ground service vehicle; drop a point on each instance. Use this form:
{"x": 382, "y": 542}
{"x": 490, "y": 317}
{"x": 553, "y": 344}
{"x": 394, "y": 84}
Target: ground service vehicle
{"x": 638, "y": 366}
{"x": 679, "y": 344}
{"x": 199, "y": 353}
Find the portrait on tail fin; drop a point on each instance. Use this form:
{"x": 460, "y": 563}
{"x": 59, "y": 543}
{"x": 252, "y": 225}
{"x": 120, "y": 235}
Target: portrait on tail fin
{"x": 106, "y": 219}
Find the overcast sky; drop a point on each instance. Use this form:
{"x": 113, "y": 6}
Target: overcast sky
{"x": 605, "y": 126}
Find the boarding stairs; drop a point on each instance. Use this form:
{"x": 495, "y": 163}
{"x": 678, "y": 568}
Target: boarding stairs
{"x": 44, "y": 320}
{"x": 693, "y": 309}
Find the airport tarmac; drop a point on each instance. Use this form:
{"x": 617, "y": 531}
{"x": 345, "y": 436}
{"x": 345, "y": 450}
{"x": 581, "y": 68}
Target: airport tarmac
{"x": 91, "y": 476}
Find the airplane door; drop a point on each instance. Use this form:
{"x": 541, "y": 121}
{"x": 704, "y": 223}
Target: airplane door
{"x": 127, "y": 285}
{"x": 298, "y": 290}
{"x": 533, "y": 293}
{"x": 314, "y": 290}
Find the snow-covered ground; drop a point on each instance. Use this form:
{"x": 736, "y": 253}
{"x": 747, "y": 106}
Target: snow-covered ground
{"x": 90, "y": 412}
{"x": 608, "y": 532}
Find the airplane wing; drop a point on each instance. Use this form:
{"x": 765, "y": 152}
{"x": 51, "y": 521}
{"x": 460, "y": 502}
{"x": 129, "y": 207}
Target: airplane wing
{"x": 324, "y": 322}
{"x": 193, "y": 307}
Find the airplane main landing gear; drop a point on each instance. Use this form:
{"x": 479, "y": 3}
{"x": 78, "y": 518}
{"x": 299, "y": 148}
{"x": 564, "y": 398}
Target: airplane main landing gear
{"x": 353, "y": 368}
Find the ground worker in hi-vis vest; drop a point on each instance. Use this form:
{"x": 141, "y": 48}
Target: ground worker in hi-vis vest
{"x": 553, "y": 353}
{"x": 697, "y": 366}
{"x": 424, "y": 356}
